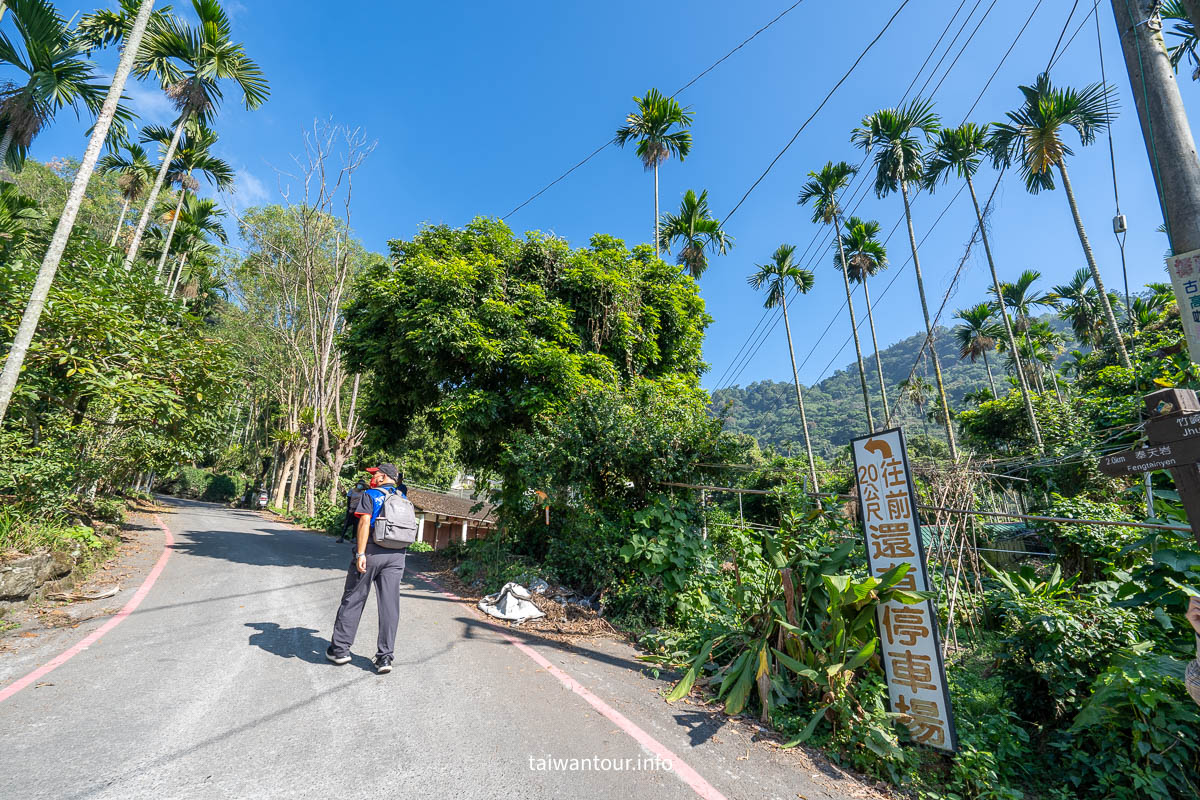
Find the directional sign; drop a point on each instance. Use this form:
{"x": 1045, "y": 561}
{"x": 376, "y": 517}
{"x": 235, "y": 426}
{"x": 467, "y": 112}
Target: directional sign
{"x": 911, "y": 647}
{"x": 1148, "y": 459}
{"x": 1173, "y": 428}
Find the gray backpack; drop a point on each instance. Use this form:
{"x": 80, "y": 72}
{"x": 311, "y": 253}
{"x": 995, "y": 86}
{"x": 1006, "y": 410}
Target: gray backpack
{"x": 396, "y": 526}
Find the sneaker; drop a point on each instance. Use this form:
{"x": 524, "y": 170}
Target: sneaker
{"x": 383, "y": 664}
{"x": 335, "y": 658}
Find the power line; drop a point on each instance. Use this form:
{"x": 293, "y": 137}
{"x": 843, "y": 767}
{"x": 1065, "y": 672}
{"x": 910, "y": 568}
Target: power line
{"x": 687, "y": 85}
{"x": 895, "y": 275}
{"x": 760, "y": 338}
{"x": 812, "y": 116}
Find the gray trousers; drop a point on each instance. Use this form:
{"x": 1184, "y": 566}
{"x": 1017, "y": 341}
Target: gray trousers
{"x": 385, "y": 570}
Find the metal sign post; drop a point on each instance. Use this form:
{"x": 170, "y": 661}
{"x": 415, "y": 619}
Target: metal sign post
{"x": 909, "y": 642}
{"x": 1173, "y": 436}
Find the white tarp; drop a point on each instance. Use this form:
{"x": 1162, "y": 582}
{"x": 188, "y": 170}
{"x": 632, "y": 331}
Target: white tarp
{"x": 511, "y": 603}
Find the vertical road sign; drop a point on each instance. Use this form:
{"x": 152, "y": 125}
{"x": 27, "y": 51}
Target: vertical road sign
{"x": 1185, "y": 278}
{"x": 908, "y": 634}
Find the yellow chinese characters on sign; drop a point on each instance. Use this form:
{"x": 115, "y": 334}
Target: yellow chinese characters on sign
{"x": 909, "y": 641}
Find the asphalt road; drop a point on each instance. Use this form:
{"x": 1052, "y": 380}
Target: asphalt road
{"x": 217, "y": 686}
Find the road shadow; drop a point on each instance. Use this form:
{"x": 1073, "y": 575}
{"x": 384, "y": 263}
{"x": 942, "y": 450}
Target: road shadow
{"x": 701, "y": 725}
{"x": 301, "y": 643}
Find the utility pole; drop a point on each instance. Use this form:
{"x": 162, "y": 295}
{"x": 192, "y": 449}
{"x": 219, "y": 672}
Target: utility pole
{"x": 1169, "y": 142}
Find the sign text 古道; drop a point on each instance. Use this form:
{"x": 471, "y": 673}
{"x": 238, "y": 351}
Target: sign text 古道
{"x": 909, "y": 641}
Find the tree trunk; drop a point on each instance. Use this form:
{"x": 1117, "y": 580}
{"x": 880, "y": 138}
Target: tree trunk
{"x": 991, "y": 380}
{"x": 284, "y": 469}
{"x": 310, "y": 484}
{"x": 1054, "y": 381}
{"x": 6, "y": 144}
{"x": 294, "y": 484}
{"x": 144, "y": 221}
{"x": 162, "y": 259}
{"x": 862, "y": 370}
{"x": 812, "y": 464}
{"x": 120, "y": 221}
{"x": 179, "y": 273}
{"x": 656, "y": 251}
{"x": 1022, "y": 383}
{"x": 66, "y": 222}
{"x": 1113, "y": 328}
{"x": 937, "y": 364}
{"x": 887, "y": 411}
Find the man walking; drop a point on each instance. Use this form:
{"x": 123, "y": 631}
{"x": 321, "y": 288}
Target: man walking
{"x": 371, "y": 564}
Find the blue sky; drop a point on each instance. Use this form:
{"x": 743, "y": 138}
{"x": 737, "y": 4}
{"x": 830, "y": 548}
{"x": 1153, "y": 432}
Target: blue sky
{"x": 476, "y": 105}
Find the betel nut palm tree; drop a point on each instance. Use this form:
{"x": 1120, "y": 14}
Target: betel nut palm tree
{"x": 822, "y": 190}
{"x": 56, "y": 73}
{"x": 198, "y": 223}
{"x": 1033, "y": 137}
{"x": 779, "y": 276}
{"x": 960, "y": 151}
{"x": 193, "y": 155}
{"x": 894, "y": 136}
{"x": 1077, "y": 303}
{"x": 660, "y": 128}
{"x": 190, "y": 63}
{"x": 66, "y": 221}
{"x": 696, "y": 230}
{"x": 866, "y": 257}
{"x": 976, "y": 335}
{"x": 134, "y": 173}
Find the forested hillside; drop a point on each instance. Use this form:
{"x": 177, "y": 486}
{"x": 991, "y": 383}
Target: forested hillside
{"x": 767, "y": 409}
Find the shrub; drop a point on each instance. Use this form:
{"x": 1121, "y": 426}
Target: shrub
{"x": 1136, "y": 738}
{"x": 1055, "y": 647}
{"x": 420, "y": 547}
{"x": 1086, "y": 548}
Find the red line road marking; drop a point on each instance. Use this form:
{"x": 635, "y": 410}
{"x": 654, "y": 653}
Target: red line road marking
{"x": 94, "y": 636}
{"x": 688, "y": 775}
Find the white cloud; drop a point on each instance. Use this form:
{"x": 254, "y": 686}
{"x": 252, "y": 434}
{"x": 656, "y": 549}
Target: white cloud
{"x": 249, "y": 190}
{"x": 149, "y": 103}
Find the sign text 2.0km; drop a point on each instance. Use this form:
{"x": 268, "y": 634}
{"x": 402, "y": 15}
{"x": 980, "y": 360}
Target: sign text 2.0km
{"x": 1154, "y": 457}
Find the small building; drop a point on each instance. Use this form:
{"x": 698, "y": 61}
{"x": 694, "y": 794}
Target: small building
{"x": 447, "y": 518}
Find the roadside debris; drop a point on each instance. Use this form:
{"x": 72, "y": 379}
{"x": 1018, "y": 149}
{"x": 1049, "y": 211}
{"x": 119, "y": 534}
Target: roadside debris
{"x": 78, "y": 597}
{"x": 512, "y": 603}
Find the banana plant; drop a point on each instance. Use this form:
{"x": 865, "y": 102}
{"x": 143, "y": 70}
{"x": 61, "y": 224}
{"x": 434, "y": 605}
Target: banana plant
{"x": 808, "y": 625}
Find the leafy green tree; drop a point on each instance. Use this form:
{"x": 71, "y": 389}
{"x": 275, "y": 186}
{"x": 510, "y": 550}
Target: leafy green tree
{"x": 696, "y": 230}
{"x": 822, "y": 190}
{"x": 778, "y": 277}
{"x": 660, "y": 128}
{"x": 960, "y": 151}
{"x": 895, "y": 136}
{"x": 57, "y": 75}
{"x": 493, "y": 333}
{"x": 108, "y": 112}
{"x": 866, "y": 257}
{"x": 1033, "y": 137}
{"x": 976, "y": 335}
{"x": 190, "y": 62}
{"x": 134, "y": 174}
